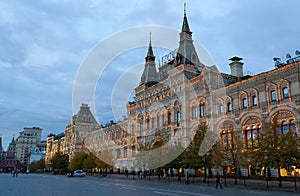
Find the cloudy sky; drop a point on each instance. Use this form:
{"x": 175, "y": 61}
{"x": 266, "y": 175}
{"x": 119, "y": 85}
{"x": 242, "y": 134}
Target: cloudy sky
{"x": 44, "y": 43}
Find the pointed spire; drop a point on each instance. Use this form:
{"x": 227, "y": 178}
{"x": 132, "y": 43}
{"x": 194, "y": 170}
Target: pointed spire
{"x": 185, "y": 24}
{"x": 150, "y": 55}
{"x": 149, "y": 75}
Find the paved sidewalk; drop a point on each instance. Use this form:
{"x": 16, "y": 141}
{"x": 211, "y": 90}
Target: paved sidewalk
{"x": 272, "y": 185}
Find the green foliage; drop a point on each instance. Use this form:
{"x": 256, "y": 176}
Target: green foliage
{"x": 37, "y": 165}
{"x": 77, "y": 161}
{"x": 190, "y": 157}
{"x": 230, "y": 154}
{"x": 85, "y": 161}
{"x": 273, "y": 149}
{"x": 60, "y": 161}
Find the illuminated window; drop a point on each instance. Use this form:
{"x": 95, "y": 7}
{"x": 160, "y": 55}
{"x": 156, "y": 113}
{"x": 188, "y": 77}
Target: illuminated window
{"x": 251, "y": 136}
{"x": 227, "y": 135}
{"x": 286, "y": 126}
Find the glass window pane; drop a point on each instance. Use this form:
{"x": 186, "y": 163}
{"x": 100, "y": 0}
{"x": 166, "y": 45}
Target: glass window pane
{"x": 254, "y": 100}
{"x": 178, "y": 118}
{"x": 273, "y": 95}
{"x": 285, "y": 129}
{"x": 244, "y": 102}
{"x": 202, "y": 110}
{"x": 229, "y": 107}
{"x": 285, "y": 92}
{"x": 221, "y": 109}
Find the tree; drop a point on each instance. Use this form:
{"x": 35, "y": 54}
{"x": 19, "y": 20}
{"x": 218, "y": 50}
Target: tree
{"x": 60, "y": 162}
{"x": 77, "y": 161}
{"x": 190, "y": 157}
{"x": 229, "y": 154}
{"x": 37, "y": 165}
{"x": 274, "y": 149}
{"x": 84, "y": 161}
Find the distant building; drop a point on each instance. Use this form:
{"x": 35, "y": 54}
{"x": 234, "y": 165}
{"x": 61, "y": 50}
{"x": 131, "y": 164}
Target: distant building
{"x": 36, "y": 154}
{"x": 84, "y": 121}
{"x": 8, "y": 159}
{"x": 54, "y": 144}
{"x": 28, "y": 139}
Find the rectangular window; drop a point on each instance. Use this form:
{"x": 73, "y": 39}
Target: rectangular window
{"x": 202, "y": 110}
{"x": 178, "y": 118}
{"x": 244, "y": 103}
{"x": 254, "y": 100}
{"x": 273, "y": 95}
{"x": 229, "y": 107}
{"x": 285, "y": 92}
{"x": 194, "y": 112}
{"x": 221, "y": 109}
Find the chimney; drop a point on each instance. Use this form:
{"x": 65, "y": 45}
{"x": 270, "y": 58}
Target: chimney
{"x": 236, "y": 66}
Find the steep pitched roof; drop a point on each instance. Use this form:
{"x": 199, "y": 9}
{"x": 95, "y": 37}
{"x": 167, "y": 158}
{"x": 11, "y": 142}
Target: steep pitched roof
{"x": 84, "y": 115}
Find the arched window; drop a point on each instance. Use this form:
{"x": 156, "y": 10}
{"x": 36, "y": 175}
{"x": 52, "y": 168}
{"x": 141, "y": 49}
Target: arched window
{"x": 202, "y": 109}
{"x": 221, "y": 109}
{"x": 178, "y": 117}
{"x": 194, "y": 112}
{"x": 229, "y": 106}
{"x": 125, "y": 152}
{"x": 254, "y": 100}
{"x": 251, "y": 128}
{"x": 227, "y": 133}
{"x": 273, "y": 95}
{"x": 177, "y": 112}
{"x": 148, "y": 121}
{"x": 140, "y": 124}
{"x": 286, "y": 122}
{"x": 169, "y": 117}
{"x": 244, "y": 102}
{"x": 251, "y": 135}
{"x": 285, "y": 93}
{"x": 271, "y": 89}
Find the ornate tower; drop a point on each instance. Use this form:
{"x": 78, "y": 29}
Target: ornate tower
{"x": 150, "y": 74}
{"x": 186, "y": 53}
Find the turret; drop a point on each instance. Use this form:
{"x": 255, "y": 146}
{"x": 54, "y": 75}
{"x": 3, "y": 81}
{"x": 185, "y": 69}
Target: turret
{"x": 150, "y": 73}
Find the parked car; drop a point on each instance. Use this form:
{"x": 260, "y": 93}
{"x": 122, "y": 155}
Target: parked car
{"x": 76, "y": 173}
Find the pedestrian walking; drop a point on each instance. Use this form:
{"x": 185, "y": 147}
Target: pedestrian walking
{"x": 187, "y": 178}
{"x": 218, "y": 181}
